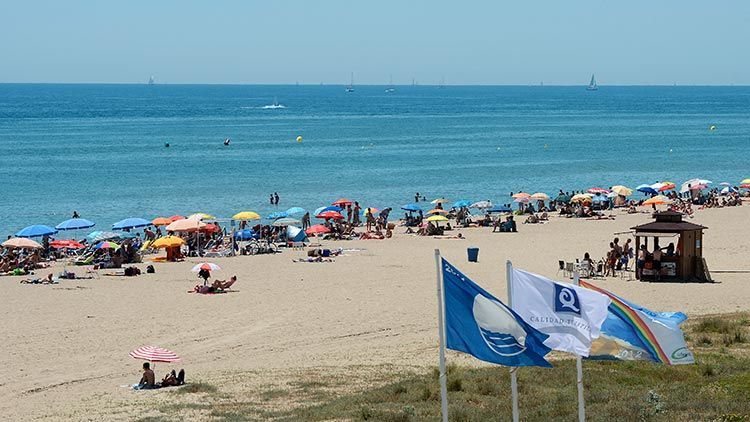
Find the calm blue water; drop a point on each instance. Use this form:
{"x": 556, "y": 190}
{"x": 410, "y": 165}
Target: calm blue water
{"x": 98, "y": 149}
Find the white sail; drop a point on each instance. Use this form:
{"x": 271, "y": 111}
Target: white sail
{"x": 592, "y": 85}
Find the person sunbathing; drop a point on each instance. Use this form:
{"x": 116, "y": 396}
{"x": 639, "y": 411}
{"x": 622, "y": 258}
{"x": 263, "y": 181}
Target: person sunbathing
{"x": 172, "y": 379}
{"x": 148, "y": 380}
{"x": 219, "y": 285}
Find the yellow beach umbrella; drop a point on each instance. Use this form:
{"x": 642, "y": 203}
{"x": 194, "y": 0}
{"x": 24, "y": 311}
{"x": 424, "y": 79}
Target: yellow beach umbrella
{"x": 745, "y": 182}
{"x": 167, "y": 242}
{"x": 580, "y": 198}
{"x": 657, "y": 200}
{"x": 540, "y": 195}
{"x": 622, "y": 190}
{"x": 437, "y": 218}
{"x": 246, "y": 215}
{"x": 438, "y": 211}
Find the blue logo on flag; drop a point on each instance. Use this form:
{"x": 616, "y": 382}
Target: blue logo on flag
{"x": 566, "y": 300}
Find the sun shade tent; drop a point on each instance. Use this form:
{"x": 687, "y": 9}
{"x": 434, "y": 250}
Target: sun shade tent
{"x": 295, "y": 234}
{"x": 687, "y": 264}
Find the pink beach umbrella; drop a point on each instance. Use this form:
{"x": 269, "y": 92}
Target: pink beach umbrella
{"x": 598, "y": 190}
{"x": 210, "y": 266}
{"x": 155, "y": 354}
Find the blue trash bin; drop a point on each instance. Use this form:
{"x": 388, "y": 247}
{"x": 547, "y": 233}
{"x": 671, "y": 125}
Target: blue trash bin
{"x": 473, "y": 254}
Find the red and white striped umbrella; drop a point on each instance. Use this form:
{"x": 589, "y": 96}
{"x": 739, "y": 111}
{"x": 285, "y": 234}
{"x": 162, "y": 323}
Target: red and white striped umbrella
{"x": 210, "y": 266}
{"x": 155, "y": 354}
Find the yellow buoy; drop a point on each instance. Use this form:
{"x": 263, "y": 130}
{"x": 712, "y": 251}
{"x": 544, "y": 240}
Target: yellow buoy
{"x": 299, "y": 139}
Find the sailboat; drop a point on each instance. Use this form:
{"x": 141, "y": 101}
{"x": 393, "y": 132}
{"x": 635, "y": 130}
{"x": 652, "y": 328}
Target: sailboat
{"x": 592, "y": 85}
{"x": 350, "y": 88}
{"x": 390, "y": 88}
{"x": 151, "y": 80}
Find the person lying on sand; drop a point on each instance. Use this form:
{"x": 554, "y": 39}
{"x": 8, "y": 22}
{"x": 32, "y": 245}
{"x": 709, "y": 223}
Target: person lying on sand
{"x": 172, "y": 379}
{"x": 46, "y": 280}
{"x": 218, "y": 285}
{"x": 318, "y": 259}
{"x": 458, "y": 236}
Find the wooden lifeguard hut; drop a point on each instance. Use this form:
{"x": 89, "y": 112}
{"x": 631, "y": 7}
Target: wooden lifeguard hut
{"x": 681, "y": 245}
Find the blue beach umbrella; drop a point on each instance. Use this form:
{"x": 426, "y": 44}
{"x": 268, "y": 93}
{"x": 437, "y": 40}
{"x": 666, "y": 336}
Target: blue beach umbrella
{"x": 295, "y": 210}
{"x": 98, "y": 236}
{"x": 276, "y": 215}
{"x": 245, "y": 234}
{"x": 328, "y": 208}
{"x": 599, "y": 199}
{"x": 462, "y": 203}
{"x": 499, "y": 208}
{"x": 75, "y": 224}
{"x": 647, "y": 189}
{"x": 130, "y": 223}
{"x": 411, "y": 207}
{"x": 36, "y": 230}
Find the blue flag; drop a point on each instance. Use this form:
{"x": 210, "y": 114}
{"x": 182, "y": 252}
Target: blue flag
{"x": 482, "y": 326}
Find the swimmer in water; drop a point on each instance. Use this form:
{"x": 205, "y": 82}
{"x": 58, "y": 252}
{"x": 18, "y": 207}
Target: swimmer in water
{"x": 166, "y": 145}
{"x": 226, "y": 142}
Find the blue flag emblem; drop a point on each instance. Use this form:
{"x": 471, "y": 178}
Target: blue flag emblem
{"x": 482, "y": 326}
{"x": 566, "y": 300}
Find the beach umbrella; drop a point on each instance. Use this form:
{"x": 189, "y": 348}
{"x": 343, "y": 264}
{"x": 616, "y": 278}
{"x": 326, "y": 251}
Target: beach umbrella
{"x": 540, "y": 195}
{"x": 161, "y": 221}
{"x": 745, "y": 182}
{"x": 98, "y": 235}
{"x": 437, "y": 218}
{"x": 438, "y": 211}
{"x": 201, "y": 216}
{"x": 36, "y": 230}
{"x": 75, "y": 224}
{"x": 612, "y": 194}
{"x": 462, "y": 203}
{"x": 22, "y": 243}
{"x": 599, "y": 198}
{"x": 411, "y": 207}
{"x": 246, "y": 215}
{"x": 647, "y": 189}
{"x": 210, "y": 228}
{"x": 328, "y": 208}
{"x": 210, "y": 266}
{"x": 66, "y": 244}
{"x": 167, "y": 242}
{"x": 371, "y": 210}
{"x": 727, "y": 189}
{"x": 690, "y": 184}
{"x": 499, "y": 209}
{"x": 725, "y": 184}
{"x": 296, "y": 210}
{"x": 481, "y": 205}
{"x": 580, "y": 198}
{"x": 342, "y": 202}
{"x": 524, "y": 200}
{"x": 563, "y": 198}
{"x": 130, "y": 223}
{"x": 330, "y": 214}
{"x": 317, "y": 229}
{"x": 597, "y": 190}
{"x": 745, "y": 186}
{"x": 440, "y": 201}
{"x": 281, "y": 222}
{"x": 155, "y": 354}
{"x": 295, "y": 234}
{"x": 177, "y": 217}
{"x": 657, "y": 200}
{"x": 521, "y": 195}
{"x": 186, "y": 225}
{"x": 276, "y": 215}
{"x": 106, "y": 244}
{"x": 622, "y": 190}
{"x": 245, "y": 234}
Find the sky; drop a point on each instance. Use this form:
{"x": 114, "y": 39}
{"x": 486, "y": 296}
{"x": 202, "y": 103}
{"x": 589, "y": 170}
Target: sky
{"x": 635, "y": 42}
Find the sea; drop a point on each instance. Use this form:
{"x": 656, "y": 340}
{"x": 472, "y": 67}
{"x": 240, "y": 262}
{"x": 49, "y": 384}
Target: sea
{"x": 100, "y": 149}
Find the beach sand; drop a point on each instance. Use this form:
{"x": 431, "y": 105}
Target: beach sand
{"x": 65, "y": 347}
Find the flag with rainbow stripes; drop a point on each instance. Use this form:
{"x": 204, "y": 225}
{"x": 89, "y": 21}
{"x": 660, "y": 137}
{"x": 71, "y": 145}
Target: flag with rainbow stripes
{"x": 632, "y": 332}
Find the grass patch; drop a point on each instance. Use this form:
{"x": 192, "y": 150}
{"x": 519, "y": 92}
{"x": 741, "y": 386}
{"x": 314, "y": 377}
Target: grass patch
{"x": 716, "y": 388}
{"x": 196, "y": 388}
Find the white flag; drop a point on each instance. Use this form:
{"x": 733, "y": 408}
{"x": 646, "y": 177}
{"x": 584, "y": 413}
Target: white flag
{"x": 572, "y": 316}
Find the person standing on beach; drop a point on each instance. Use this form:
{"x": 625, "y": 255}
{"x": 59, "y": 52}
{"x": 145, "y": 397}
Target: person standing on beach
{"x": 306, "y": 221}
{"x": 348, "y": 213}
{"x": 356, "y": 211}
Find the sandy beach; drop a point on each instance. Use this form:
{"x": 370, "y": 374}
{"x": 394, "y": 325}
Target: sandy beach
{"x": 66, "y": 345}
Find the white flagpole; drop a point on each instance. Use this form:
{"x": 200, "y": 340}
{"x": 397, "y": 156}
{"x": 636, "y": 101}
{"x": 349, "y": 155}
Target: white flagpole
{"x": 441, "y": 337}
{"x": 513, "y": 370}
{"x": 579, "y": 370}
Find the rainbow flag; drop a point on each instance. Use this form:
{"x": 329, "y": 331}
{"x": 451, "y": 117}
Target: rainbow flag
{"x": 632, "y": 332}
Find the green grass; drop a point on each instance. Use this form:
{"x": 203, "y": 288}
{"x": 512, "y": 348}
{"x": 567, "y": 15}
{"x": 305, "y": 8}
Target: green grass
{"x": 716, "y": 388}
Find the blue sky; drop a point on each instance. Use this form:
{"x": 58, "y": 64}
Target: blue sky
{"x": 473, "y": 42}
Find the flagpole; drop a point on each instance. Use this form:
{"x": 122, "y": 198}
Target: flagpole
{"x": 579, "y": 370}
{"x": 513, "y": 370}
{"x": 441, "y": 337}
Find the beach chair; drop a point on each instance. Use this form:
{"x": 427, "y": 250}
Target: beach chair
{"x": 561, "y": 267}
{"x": 585, "y": 269}
{"x": 569, "y": 268}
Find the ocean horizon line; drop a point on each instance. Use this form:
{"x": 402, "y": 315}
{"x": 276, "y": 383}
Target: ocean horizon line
{"x": 436, "y": 85}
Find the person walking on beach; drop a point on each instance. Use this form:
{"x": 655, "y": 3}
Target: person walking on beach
{"x": 356, "y": 211}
